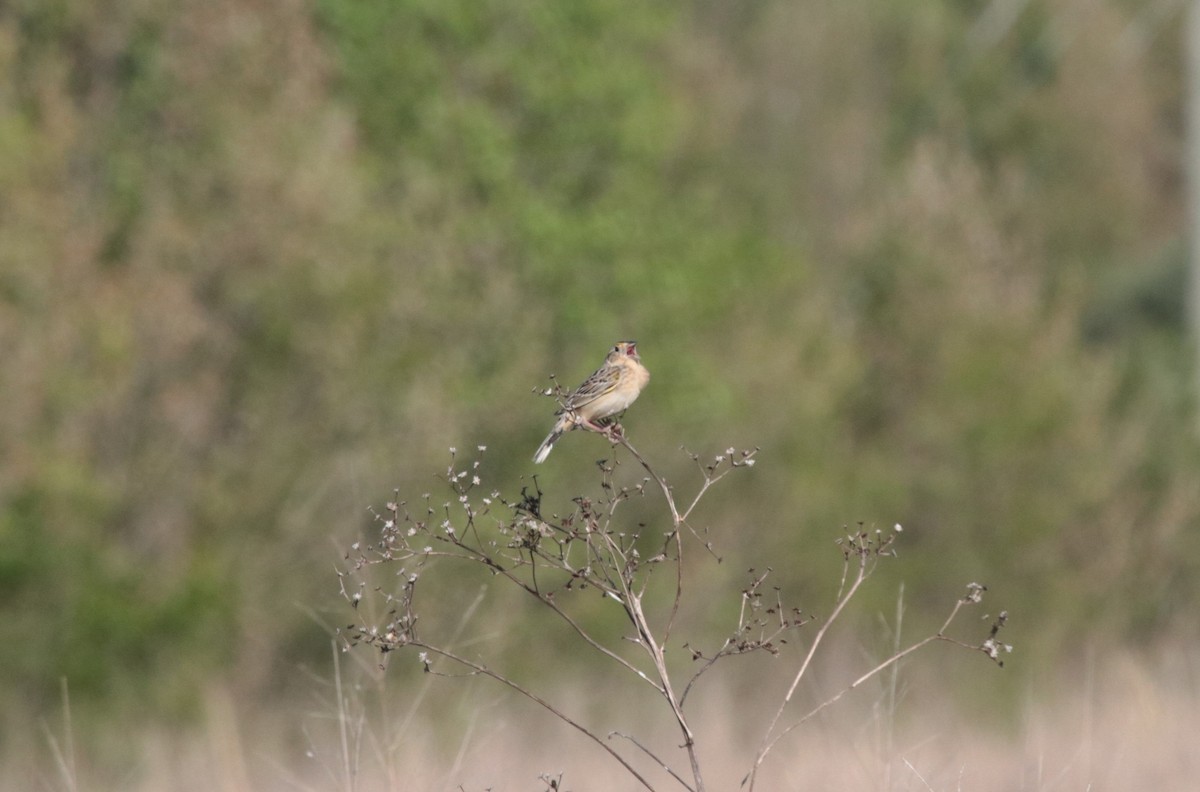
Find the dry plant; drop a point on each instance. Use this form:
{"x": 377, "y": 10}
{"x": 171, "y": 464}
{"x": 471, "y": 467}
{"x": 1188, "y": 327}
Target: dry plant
{"x": 552, "y": 558}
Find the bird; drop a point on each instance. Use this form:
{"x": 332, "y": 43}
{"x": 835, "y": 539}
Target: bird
{"x": 609, "y": 391}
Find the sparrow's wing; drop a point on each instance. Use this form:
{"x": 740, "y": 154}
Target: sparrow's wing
{"x": 601, "y": 382}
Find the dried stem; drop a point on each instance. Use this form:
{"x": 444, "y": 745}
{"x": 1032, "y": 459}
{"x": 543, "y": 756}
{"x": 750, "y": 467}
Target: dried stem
{"x": 551, "y": 557}
{"x": 529, "y": 694}
{"x": 655, "y": 757}
{"x": 974, "y": 594}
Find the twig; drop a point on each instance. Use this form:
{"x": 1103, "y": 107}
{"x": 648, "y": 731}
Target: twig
{"x": 655, "y": 757}
{"x": 768, "y": 743}
{"x": 973, "y": 594}
{"x": 529, "y": 694}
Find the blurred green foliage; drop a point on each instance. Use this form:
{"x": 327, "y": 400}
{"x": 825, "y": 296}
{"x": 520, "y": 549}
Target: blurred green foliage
{"x": 261, "y": 264}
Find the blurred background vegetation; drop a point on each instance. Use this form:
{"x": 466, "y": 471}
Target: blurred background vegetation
{"x": 261, "y": 263}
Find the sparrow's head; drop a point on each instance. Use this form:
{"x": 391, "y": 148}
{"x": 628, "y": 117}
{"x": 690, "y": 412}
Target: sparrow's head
{"x": 624, "y": 349}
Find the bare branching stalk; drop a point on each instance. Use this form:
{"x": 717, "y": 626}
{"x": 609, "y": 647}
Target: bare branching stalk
{"x": 551, "y": 558}
{"x": 989, "y": 647}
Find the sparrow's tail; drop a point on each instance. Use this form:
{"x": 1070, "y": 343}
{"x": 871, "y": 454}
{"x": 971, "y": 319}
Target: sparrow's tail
{"x": 546, "y": 446}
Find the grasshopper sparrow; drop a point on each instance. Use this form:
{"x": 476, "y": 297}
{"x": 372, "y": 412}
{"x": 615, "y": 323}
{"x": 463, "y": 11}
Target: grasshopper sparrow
{"x": 609, "y": 391}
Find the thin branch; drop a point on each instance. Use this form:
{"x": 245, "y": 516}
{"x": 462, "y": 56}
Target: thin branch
{"x": 655, "y": 650}
{"x": 653, "y": 756}
{"x": 973, "y": 596}
{"x": 676, "y": 523}
{"x": 768, "y": 742}
{"x": 623, "y": 441}
{"x": 485, "y": 671}
{"x": 476, "y": 557}
{"x": 740, "y": 642}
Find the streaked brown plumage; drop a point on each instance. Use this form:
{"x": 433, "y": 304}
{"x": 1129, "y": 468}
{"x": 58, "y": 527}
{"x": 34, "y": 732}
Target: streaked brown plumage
{"x": 609, "y": 391}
